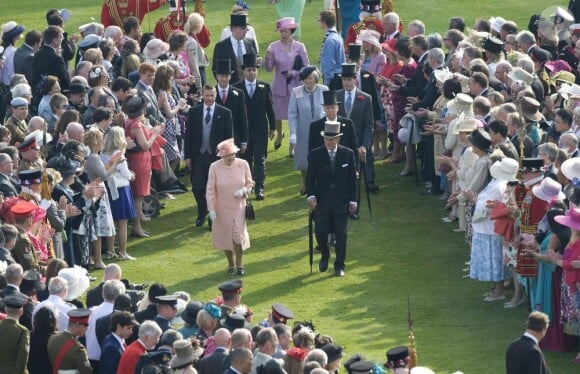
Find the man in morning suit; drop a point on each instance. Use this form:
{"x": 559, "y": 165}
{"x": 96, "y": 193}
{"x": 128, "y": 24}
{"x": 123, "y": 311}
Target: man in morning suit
{"x": 15, "y": 342}
{"x": 524, "y": 355}
{"x": 212, "y": 364}
{"x": 208, "y": 124}
{"x": 358, "y": 107}
{"x": 47, "y": 61}
{"x": 235, "y": 47}
{"x": 65, "y": 352}
{"x": 146, "y": 78}
{"x": 24, "y": 55}
{"x": 330, "y": 107}
{"x": 261, "y": 121}
{"x": 232, "y": 98}
{"x": 331, "y": 191}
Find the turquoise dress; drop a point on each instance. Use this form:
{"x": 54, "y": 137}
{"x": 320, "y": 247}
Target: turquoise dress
{"x": 541, "y": 300}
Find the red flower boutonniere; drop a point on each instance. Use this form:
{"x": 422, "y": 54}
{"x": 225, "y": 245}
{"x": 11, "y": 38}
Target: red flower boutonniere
{"x": 360, "y": 97}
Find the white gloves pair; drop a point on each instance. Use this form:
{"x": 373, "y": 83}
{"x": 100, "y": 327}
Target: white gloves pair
{"x": 212, "y": 215}
{"x": 292, "y": 139}
{"x": 241, "y": 192}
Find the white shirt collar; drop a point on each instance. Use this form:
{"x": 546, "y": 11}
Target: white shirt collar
{"x": 333, "y": 150}
{"x": 248, "y": 82}
{"x": 531, "y": 337}
{"x": 121, "y": 341}
{"x": 211, "y": 108}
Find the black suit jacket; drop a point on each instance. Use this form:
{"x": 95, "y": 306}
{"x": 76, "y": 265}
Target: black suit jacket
{"x": 221, "y": 129}
{"x": 236, "y": 102}
{"x": 430, "y": 93}
{"x": 224, "y": 51}
{"x": 95, "y": 296}
{"x": 261, "y": 116}
{"x": 153, "y": 113}
{"x": 148, "y": 314}
{"x": 348, "y": 138}
{"x": 414, "y": 86}
{"x": 524, "y": 356}
{"x": 24, "y": 62}
{"x": 7, "y": 187}
{"x": 26, "y": 317}
{"x": 361, "y": 115}
{"x": 47, "y": 62}
{"x": 212, "y": 364}
{"x": 334, "y": 187}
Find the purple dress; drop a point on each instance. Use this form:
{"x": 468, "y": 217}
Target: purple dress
{"x": 279, "y": 60}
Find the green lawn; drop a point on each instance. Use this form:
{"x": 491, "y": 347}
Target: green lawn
{"x": 404, "y": 250}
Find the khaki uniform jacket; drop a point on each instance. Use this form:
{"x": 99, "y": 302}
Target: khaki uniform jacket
{"x": 23, "y": 252}
{"x": 14, "y": 347}
{"x": 75, "y": 359}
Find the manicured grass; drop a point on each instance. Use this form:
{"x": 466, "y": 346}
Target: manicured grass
{"x": 404, "y": 250}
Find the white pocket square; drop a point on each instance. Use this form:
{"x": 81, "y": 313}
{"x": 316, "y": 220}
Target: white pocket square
{"x": 344, "y": 165}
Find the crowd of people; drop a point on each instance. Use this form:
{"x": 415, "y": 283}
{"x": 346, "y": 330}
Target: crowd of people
{"x": 487, "y": 117}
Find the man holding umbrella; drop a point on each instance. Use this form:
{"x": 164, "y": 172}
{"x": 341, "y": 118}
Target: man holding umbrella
{"x": 331, "y": 191}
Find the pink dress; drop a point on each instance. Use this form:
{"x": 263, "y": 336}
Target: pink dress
{"x": 223, "y": 181}
{"x": 140, "y": 161}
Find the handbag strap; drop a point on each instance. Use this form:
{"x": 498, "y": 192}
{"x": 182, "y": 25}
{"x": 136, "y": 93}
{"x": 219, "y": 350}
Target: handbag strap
{"x": 61, "y": 353}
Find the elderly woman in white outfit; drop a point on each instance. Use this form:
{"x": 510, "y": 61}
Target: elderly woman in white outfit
{"x": 228, "y": 185}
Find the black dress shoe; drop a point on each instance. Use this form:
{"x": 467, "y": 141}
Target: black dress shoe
{"x": 260, "y": 195}
{"x": 339, "y": 273}
{"x": 199, "y": 221}
{"x": 354, "y": 216}
{"x": 323, "y": 265}
{"x": 373, "y": 187}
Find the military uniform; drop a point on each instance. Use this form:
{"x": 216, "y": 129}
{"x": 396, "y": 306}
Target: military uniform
{"x": 15, "y": 342}
{"x": 75, "y": 358}
{"x": 23, "y": 252}
{"x": 114, "y": 12}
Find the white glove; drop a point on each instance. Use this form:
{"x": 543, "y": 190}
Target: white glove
{"x": 293, "y": 139}
{"x": 241, "y": 192}
{"x": 212, "y": 215}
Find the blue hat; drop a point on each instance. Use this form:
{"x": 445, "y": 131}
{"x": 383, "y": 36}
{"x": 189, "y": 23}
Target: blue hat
{"x": 19, "y": 101}
{"x": 11, "y": 30}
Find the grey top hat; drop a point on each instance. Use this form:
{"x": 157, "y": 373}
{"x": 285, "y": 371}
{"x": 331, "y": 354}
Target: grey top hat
{"x": 331, "y": 129}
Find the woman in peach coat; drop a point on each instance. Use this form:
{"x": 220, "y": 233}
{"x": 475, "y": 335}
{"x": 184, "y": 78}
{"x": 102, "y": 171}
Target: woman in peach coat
{"x": 229, "y": 184}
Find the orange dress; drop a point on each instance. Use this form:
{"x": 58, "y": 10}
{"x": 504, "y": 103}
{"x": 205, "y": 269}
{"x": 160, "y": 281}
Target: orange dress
{"x": 139, "y": 161}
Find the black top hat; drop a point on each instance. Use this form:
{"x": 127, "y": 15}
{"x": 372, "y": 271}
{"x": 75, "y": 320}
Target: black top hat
{"x": 223, "y": 67}
{"x": 480, "y": 139}
{"x": 493, "y": 45}
{"x": 360, "y": 367}
{"x": 329, "y": 98}
{"x": 348, "y": 70}
{"x": 307, "y": 71}
{"x": 354, "y": 50}
{"x": 250, "y": 60}
{"x": 239, "y": 20}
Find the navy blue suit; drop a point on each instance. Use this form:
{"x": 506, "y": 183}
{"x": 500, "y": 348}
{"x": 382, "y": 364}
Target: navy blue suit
{"x": 111, "y": 352}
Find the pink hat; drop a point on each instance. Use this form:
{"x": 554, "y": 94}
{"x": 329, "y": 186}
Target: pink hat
{"x": 286, "y": 23}
{"x": 227, "y": 147}
{"x": 549, "y": 190}
{"x": 571, "y": 220}
{"x": 155, "y": 48}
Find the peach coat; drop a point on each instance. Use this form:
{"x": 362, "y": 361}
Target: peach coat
{"x": 222, "y": 183}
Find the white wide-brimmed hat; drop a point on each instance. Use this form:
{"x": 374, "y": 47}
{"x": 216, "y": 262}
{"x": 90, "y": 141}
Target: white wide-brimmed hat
{"x": 505, "y": 170}
{"x": 571, "y": 168}
{"x": 549, "y": 190}
{"x": 462, "y": 103}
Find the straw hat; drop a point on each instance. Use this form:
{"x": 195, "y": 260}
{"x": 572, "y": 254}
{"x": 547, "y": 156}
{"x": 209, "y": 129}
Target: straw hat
{"x": 505, "y": 170}
{"x": 530, "y": 108}
{"x": 465, "y": 125}
{"x": 185, "y": 353}
{"x": 519, "y": 74}
{"x": 441, "y": 75}
{"x": 549, "y": 190}
{"x": 462, "y": 103}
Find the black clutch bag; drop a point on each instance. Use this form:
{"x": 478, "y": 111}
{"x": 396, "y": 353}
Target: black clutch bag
{"x": 250, "y": 214}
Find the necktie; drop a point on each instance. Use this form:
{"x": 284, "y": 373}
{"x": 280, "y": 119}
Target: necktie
{"x": 224, "y": 96}
{"x": 240, "y": 53}
{"x": 208, "y": 116}
{"x": 348, "y": 102}
{"x": 251, "y": 90}
{"x": 311, "y": 94}
{"x": 332, "y": 155}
